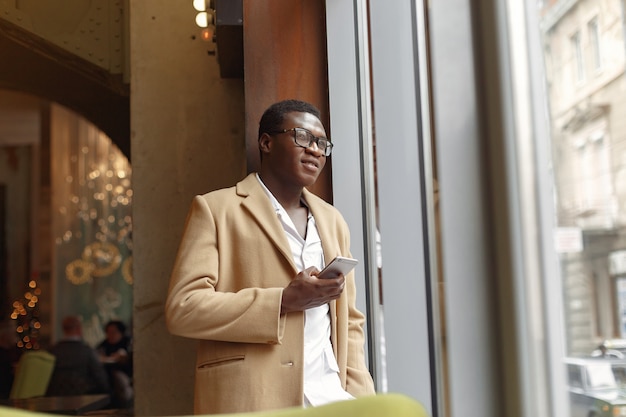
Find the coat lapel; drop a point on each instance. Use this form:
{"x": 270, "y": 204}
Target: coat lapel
{"x": 260, "y": 208}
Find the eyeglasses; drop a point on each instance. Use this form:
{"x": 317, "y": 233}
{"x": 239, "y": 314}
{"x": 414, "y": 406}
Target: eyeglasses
{"x": 305, "y": 139}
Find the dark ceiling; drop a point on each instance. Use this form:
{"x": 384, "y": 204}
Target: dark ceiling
{"x": 30, "y": 64}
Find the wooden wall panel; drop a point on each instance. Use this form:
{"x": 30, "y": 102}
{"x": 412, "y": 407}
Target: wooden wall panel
{"x": 284, "y": 57}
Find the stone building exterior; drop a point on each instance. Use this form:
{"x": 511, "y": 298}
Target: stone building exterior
{"x": 585, "y": 56}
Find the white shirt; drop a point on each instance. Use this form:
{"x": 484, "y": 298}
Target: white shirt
{"x": 321, "y": 372}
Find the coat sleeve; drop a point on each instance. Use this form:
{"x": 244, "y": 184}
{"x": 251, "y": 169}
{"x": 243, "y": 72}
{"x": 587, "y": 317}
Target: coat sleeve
{"x": 195, "y": 309}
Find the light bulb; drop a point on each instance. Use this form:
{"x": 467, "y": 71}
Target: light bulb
{"x": 199, "y": 5}
{"x": 202, "y": 19}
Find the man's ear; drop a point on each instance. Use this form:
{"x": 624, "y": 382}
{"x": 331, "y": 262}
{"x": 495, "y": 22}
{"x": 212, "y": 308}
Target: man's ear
{"x": 265, "y": 143}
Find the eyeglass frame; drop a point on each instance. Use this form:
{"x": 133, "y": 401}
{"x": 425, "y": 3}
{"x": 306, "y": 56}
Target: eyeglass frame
{"x": 315, "y": 139}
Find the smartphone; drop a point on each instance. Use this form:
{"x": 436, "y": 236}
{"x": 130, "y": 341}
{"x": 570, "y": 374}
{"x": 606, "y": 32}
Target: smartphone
{"x": 339, "y": 265}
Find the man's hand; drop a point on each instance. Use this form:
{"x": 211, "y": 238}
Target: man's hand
{"x": 307, "y": 291}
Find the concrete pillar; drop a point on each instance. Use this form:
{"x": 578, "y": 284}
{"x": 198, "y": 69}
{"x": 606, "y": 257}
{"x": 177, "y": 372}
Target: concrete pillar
{"x": 187, "y": 138}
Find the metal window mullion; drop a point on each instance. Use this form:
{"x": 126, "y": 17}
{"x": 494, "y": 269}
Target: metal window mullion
{"x": 400, "y": 100}
{"x": 353, "y": 174}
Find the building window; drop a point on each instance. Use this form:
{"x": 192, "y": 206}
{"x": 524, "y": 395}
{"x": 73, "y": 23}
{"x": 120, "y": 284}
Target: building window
{"x": 594, "y": 43}
{"x": 578, "y": 56}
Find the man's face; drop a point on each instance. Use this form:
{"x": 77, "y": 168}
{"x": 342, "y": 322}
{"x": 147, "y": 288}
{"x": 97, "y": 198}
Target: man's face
{"x": 292, "y": 163}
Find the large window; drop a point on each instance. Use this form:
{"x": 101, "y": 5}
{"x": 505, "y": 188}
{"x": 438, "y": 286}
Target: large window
{"x": 588, "y": 194}
{"x": 486, "y": 150}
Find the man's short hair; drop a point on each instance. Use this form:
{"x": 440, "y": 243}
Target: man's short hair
{"x": 273, "y": 117}
{"x": 71, "y": 324}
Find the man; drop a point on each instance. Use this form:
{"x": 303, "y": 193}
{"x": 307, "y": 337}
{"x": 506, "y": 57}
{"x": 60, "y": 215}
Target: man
{"x": 77, "y": 370}
{"x": 272, "y": 335}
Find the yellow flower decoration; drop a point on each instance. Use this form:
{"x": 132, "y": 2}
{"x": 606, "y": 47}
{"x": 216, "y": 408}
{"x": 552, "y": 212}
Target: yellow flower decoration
{"x": 104, "y": 256}
{"x": 79, "y": 271}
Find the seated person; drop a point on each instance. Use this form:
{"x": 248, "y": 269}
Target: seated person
{"x": 116, "y": 353}
{"x": 77, "y": 369}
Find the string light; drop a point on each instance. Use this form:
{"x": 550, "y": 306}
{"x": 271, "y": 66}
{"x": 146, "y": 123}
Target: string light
{"x": 101, "y": 200}
{"x": 26, "y": 316}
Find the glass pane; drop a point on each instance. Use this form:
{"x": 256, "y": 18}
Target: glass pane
{"x": 588, "y": 141}
{"x": 585, "y": 55}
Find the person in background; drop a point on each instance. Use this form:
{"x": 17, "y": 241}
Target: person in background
{"x": 9, "y": 356}
{"x": 245, "y": 281}
{"x": 116, "y": 353}
{"x": 77, "y": 370}
{"x": 603, "y": 351}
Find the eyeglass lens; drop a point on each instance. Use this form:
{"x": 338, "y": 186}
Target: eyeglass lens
{"x": 305, "y": 139}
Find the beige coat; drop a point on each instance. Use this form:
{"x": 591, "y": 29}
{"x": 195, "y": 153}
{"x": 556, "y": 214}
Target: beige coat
{"x": 225, "y": 290}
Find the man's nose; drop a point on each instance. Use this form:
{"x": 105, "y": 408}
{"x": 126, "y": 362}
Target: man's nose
{"x": 314, "y": 148}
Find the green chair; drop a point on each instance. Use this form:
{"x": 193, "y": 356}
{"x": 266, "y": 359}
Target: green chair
{"x": 382, "y": 405}
{"x": 32, "y": 375}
